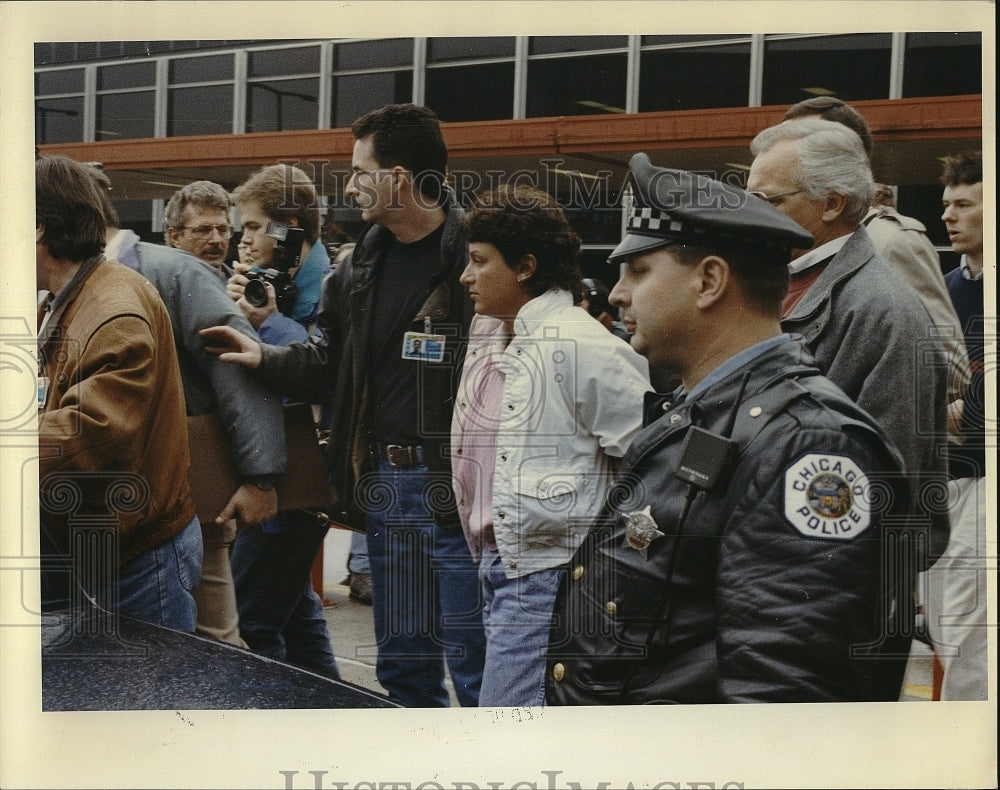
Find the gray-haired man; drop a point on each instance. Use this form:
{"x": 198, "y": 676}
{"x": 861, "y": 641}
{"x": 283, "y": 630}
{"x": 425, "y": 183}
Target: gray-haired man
{"x": 868, "y": 330}
{"x": 197, "y": 221}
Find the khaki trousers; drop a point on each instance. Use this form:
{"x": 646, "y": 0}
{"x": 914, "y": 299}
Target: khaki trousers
{"x": 216, "y": 595}
{"x": 957, "y": 595}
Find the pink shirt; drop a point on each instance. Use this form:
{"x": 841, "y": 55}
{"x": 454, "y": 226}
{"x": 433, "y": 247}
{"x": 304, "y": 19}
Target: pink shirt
{"x": 475, "y": 476}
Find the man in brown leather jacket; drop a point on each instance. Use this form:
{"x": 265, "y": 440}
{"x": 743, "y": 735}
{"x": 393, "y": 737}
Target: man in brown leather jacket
{"x": 118, "y": 523}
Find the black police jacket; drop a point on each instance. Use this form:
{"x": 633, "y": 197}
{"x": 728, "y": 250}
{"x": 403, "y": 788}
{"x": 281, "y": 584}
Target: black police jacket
{"x": 332, "y": 368}
{"x": 765, "y": 586}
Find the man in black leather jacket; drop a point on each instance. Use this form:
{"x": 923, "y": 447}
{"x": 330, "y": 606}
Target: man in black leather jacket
{"x": 392, "y": 403}
{"x": 738, "y": 558}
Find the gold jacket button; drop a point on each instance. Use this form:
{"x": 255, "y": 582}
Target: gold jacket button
{"x": 558, "y": 672}
{"x": 578, "y": 572}
{"x": 611, "y": 608}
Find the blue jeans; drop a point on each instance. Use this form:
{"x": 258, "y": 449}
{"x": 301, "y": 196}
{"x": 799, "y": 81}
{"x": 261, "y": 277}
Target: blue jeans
{"x": 357, "y": 560}
{"x": 516, "y": 613}
{"x": 281, "y": 616}
{"x": 425, "y": 596}
{"x": 156, "y": 586}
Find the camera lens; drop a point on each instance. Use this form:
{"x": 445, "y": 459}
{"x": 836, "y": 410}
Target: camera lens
{"x": 256, "y": 293}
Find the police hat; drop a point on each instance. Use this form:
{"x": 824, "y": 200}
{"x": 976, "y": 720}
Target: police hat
{"x": 678, "y": 207}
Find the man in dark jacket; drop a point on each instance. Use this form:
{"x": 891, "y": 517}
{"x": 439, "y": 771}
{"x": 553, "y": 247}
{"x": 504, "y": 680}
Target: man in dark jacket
{"x": 738, "y": 558}
{"x": 249, "y": 413}
{"x": 392, "y": 404}
{"x": 869, "y": 331}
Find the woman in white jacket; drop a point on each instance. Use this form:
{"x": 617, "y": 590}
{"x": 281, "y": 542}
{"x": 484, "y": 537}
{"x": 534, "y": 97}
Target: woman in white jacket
{"x": 549, "y": 401}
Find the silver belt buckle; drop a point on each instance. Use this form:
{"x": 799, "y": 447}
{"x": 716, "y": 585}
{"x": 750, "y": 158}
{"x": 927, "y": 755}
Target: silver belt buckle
{"x": 398, "y": 455}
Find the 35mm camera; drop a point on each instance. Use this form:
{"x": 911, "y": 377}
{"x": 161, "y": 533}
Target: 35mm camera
{"x": 286, "y": 255}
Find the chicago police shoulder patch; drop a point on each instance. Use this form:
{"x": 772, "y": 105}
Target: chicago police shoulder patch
{"x": 827, "y": 496}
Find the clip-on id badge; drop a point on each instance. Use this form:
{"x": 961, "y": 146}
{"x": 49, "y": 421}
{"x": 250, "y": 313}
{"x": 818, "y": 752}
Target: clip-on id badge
{"x": 43, "y": 391}
{"x": 424, "y": 345}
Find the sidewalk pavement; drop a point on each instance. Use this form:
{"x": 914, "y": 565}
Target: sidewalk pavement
{"x": 350, "y": 622}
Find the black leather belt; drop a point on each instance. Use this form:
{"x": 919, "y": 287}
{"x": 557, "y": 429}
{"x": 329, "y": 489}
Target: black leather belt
{"x": 401, "y": 455}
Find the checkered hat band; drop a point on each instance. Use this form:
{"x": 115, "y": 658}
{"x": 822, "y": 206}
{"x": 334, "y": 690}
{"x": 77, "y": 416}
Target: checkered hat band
{"x": 651, "y": 221}
{"x": 646, "y": 219}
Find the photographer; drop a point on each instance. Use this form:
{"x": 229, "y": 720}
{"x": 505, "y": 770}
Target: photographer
{"x": 271, "y": 253}
{"x": 281, "y": 616}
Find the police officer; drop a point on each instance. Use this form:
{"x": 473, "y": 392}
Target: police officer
{"x": 738, "y": 557}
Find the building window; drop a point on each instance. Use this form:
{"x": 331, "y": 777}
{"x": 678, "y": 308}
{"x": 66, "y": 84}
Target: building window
{"x": 184, "y": 71}
{"x": 560, "y": 45}
{"x": 379, "y": 53}
{"x": 58, "y": 120}
{"x": 715, "y": 74}
{"x": 59, "y": 106}
{"x": 275, "y": 105}
{"x": 281, "y": 62}
{"x": 280, "y": 105}
{"x": 126, "y": 101}
{"x": 126, "y": 75}
{"x": 458, "y": 48}
{"x": 200, "y": 97}
{"x": 200, "y": 110}
{"x": 576, "y": 75}
{"x": 460, "y": 86}
{"x": 852, "y": 67}
{"x": 60, "y": 81}
{"x": 357, "y": 94}
{"x": 472, "y": 92}
{"x": 943, "y": 64}
{"x": 126, "y": 116}
{"x": 367, "y": 75}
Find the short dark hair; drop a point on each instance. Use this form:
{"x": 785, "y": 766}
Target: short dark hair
{"x": 831, "y": 108}
{"x": 111, "y": 219}
{"x": 520, "y": 221}
{"x": 964, "y": 168}
{"x": 762, "y": 276}
{"x": 68, "y": 207}
{"x": 409, "y": 136}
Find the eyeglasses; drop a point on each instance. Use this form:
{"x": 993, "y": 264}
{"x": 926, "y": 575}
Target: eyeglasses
{"x": 772, "y": 199}
{"x": 204, "y": 231}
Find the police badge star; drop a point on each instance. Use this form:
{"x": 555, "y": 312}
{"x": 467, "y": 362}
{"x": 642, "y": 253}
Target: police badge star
{"x": 640, "y": 530}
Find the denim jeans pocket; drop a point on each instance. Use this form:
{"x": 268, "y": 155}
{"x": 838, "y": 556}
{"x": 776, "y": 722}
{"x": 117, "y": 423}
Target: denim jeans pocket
{"x": 188, "y": 552}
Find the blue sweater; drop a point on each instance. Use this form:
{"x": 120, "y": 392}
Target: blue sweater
{"x": 969, "y": 459}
